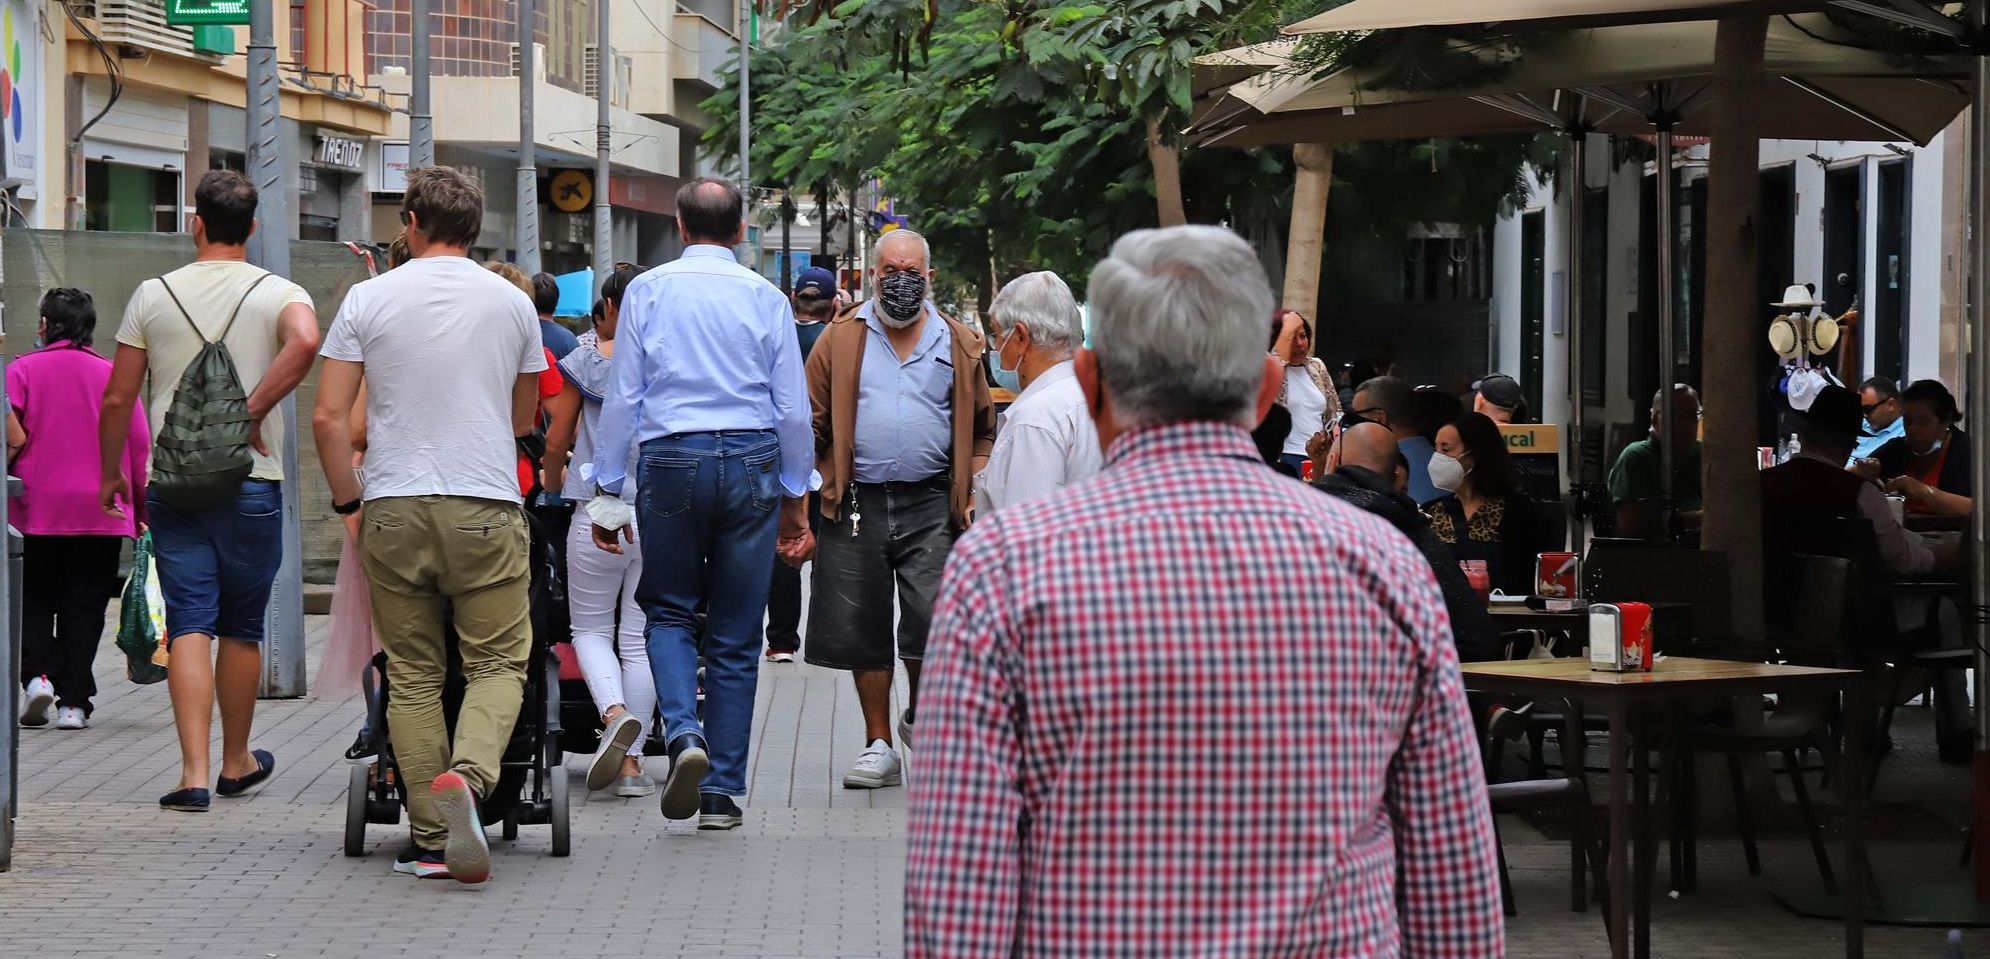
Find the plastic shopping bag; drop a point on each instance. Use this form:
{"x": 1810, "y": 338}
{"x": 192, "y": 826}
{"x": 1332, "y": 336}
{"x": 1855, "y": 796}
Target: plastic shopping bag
{"x": 142, "y": 618}
{"x": 350, "y": 645}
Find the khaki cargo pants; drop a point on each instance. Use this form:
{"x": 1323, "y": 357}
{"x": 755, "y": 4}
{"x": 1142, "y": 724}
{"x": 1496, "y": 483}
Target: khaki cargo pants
{"x": 422, "y": 555}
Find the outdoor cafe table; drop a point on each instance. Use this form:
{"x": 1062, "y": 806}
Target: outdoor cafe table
{"x": 1672, "y": 680}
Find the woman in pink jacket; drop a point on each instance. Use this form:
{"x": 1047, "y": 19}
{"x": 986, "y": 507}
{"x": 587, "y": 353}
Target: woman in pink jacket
{"x": 72, "y": 546}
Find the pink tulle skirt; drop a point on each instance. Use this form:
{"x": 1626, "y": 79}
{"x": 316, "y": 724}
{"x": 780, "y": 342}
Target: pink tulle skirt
{"x": 351, "y": 645}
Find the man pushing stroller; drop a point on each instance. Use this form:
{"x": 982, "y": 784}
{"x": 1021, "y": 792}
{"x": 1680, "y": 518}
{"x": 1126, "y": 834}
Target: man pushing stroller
{"x": 451, "y": 356}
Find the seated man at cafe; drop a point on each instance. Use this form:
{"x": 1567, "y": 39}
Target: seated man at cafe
{"x": 1813, "y": 486}
{"x": 1810, "y": 488}
{"x": 1370, "y": 472}
{"x": 1635, "y": 486}
{"x": 1879, "y": 400}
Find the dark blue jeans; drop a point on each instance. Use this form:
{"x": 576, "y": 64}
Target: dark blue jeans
{"x": 710, "y": 506}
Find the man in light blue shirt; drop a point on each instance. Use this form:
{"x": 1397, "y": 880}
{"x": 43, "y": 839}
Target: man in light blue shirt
{"x": 903, "y": 422}
{"x": 1879, "y": 400}
{"x": 708, "y": 379}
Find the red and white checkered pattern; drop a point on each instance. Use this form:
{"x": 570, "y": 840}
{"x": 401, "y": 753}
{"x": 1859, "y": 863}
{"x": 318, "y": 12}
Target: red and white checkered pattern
{"x": 1191, "y": 708}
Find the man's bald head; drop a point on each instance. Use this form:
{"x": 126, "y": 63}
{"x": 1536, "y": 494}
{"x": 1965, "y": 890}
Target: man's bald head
{"x": 1370, "y": 446}
{"x": 906, "y": 247}
{"x": 710, "y": 210}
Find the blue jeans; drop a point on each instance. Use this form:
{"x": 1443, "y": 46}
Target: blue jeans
{"x": 216, "y": 567}
{"x": 710, "y": 506}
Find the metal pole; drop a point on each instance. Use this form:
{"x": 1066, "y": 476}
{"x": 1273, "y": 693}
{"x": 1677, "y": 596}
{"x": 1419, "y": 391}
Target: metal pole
{"x": 1576, "y": 151}
{"x": 745, "y": 109}
{"x": 604, "y": 135}
{"x": 1979, "y": 414}
{"x": 421, "y": 119}
{"x": 527, "y": 239}
{"x": 1668, "y": 362}
{"x": 10, "y": 663}
{"x": 269, "y": 248}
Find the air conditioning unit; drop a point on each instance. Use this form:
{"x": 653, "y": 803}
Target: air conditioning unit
{"x": 624, "y": 76}
{"x": 538, "y": 59}
{"x": 141, "y": 23}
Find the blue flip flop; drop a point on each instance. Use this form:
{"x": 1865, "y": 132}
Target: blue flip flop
{"x": 231, "y": 788}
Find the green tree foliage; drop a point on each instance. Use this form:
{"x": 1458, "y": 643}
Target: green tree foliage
{"x": 1013, "y": 132}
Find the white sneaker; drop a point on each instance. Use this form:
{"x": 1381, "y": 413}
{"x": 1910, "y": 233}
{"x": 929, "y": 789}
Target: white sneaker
{"x": 876, "y": 768}
{"x": 40, "y": 695}
{"x": 904, "y": 731}
{"x": 70, "y": 717}
{"x": 616, "y": 739}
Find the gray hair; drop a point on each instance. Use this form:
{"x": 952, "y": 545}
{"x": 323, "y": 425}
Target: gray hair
{"x": 1177, "y": 316}
{"x": 925, "y": 249}
{"x": 1042, "y": 302}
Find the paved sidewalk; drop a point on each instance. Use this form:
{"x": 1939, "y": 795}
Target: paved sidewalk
{"x": 101, "y": 871}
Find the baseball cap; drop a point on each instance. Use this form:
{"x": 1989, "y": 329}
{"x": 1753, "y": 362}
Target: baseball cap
{"x": 1835, "y": 408}
{"x": 1501, "y": 390}
{"x": 816, "y": 283}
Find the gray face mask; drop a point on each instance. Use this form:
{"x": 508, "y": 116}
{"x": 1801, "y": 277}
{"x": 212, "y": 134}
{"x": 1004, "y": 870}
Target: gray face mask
{"x": 901, "y": 296}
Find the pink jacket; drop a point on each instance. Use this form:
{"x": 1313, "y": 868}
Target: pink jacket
{"x": 57, "y": 392}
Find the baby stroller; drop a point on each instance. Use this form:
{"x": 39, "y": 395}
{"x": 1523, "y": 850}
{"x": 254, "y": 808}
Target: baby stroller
{"x": 532, "y": 778}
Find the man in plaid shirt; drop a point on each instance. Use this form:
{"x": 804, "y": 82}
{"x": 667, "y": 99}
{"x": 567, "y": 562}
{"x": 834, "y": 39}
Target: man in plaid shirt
{"x": 1190, "y": 707}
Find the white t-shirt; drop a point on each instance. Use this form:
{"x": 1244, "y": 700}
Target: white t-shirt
{"x": 209, "y": 290}
{"x": 1307, "y": 405}
{"x": 444, "y": 342}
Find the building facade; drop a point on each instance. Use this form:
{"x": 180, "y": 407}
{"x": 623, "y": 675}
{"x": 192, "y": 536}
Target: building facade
{"x": 662, "y": 56}
{"x": 111, "y": 114}
{"x": 1875, "y": 225}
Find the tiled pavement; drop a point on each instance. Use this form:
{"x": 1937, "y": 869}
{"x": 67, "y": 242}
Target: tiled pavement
{"x": 100, "y": 871}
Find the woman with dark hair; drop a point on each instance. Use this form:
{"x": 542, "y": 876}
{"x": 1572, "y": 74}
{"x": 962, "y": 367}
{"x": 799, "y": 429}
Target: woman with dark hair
{"x": 1486, "y": 517}
{"x": 614, "y": 659}
{"x": 1930, "y": 464}
{"x": 71, "y": 545}
{"x": 1308, "y": 393}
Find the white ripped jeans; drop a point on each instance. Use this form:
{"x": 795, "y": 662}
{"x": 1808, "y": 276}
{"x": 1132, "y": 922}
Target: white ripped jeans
{"x": 614, "y": 662}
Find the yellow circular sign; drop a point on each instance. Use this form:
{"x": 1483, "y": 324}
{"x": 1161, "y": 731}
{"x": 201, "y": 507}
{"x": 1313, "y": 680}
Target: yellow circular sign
{"x": 571, "y": 191}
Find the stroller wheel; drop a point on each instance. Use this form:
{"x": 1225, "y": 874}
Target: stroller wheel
{"x": 356, "y": 801}
{"x": 557, "y": 811}
{"x": 511, "y": 825}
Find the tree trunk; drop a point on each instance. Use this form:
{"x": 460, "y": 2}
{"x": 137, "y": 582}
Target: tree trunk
{"x": 1167, "y": 161}
{"x": 1729, "y": 478}
{"x": 1305, "y": 242}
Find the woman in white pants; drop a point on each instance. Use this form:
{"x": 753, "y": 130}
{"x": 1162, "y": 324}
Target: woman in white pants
{"x": 601, "y": 586}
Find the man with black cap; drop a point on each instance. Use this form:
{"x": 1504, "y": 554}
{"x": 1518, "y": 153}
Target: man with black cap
{"x": 815, "y": 306}
{"x": 1499, "y": 397}
{"x": 1814, "y": 486}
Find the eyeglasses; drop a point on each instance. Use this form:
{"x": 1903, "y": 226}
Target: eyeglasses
{"x": 1866, "y": 409}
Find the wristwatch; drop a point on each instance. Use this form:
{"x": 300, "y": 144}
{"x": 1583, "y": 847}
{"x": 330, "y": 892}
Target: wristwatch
{"x": 346, "y": 509}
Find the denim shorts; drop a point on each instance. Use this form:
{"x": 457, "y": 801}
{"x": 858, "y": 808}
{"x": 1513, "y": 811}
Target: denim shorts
{"x": 864, "y": 572}
{"x": 216, "y": 567}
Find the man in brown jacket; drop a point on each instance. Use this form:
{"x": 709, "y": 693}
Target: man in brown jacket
{"x": 903, "y": 422}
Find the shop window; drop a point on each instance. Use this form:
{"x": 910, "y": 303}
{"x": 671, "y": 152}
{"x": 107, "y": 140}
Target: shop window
{"x": 120, "y": 198}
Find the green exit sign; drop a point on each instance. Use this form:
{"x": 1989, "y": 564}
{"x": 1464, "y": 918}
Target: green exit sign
{"x": 185, "y": 13}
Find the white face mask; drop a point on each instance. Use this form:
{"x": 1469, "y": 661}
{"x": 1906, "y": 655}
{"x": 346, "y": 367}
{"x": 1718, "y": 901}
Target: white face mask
{"x": 1446, "y": 473}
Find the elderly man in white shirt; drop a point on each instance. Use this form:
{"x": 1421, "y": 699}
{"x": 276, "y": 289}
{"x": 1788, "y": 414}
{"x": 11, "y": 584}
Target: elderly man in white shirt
{"x": 1046, "y": 440}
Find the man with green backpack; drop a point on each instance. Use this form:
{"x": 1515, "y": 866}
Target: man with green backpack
{"x": 221, "y": 343}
